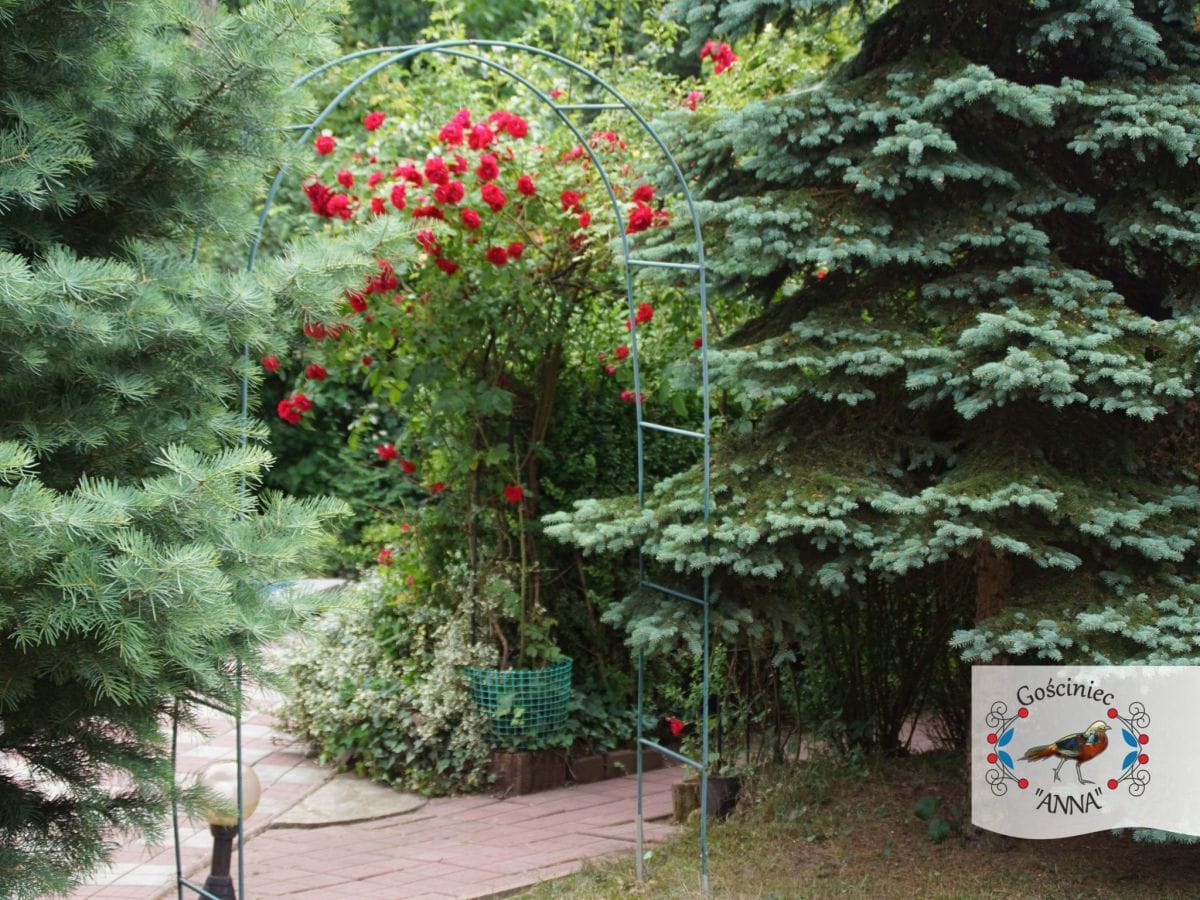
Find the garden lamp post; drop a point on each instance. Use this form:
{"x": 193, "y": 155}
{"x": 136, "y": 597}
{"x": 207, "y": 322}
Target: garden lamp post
{"x": 221, "y": 779}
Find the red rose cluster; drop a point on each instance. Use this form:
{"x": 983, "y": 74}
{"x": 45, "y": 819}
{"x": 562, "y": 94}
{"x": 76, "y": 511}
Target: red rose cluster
{"x": 478, "y": 184}
{"x": 292, "y": 408}
{"x": 722, "y": 56}
{"x": 441, "y": 181}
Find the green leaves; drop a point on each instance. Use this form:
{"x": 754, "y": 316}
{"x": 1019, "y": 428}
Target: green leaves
{"x": 133, "y": 551}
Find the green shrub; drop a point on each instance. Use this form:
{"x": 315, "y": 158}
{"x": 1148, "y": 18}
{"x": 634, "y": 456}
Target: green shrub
{"x": 375, "y": 685}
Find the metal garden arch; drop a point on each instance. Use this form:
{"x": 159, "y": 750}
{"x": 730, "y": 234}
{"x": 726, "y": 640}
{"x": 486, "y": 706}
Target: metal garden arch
{"x": 604, "y": 98}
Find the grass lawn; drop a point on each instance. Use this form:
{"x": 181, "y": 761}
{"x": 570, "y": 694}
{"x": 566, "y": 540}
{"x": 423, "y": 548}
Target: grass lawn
{"x": 824, "y": 829}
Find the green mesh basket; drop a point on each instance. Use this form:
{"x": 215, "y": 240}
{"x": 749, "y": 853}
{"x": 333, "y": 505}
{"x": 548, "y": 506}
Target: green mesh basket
{"x": 523, "y": 703}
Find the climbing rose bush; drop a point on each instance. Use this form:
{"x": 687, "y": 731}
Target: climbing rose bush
{"x": 513, "y": 282}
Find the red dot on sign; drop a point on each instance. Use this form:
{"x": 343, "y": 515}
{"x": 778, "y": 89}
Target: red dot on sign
{"x": 1023, "y": 783}
{"x": 992, "y": 738}
{"x": 992, "y": 758}
{"x": 1112, "y": 784}
{"x": 1143, "y": 738}
{"x": 1143, "y": 759}
{"x": 1022, "y": 712}
{"x": 1112, "y": 713}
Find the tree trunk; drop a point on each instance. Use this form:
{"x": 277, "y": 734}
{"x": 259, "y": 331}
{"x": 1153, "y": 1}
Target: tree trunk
{"x": 993, "y": 578}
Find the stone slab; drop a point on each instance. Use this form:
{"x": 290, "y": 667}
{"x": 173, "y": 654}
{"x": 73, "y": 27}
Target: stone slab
{"x": 346, "y": 799}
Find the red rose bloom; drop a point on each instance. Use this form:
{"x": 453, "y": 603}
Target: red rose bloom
{"x": 385, "y": 557}
{"x": 645, "y": 312}
{"x": 643, "y": 193}
{"x": 315, "y": 330}
{"x": 318, "y": 195}
{"x": 451, "y": 134}
{"x": 366, "y": 360}
{"x": 338, "y": 205}
{"x": 378, "y": 207}
{"x": 497, "y": 256}
{"x": 488, "y": 168}
{"x": 514, "y": 494}
{"x": 571, "y": 201}
{"x": 446, "y": 266}
{"x": 697, "y": 343}
{"x": 436, "y": 171}
{"x": 325, "y": 144}
{"x": 437, "y": 487}
{"x": 399, "y": 200}
{"x": 722, "y": 56}
{"x": 675, "y": 725}
{"x": 621, "y": 352}
{"x": 515, "y": 249}
{"x": 641, "y": 217}
{"x": 480, "y": 137}
{"x": 301, "y": 402}
{"x": 407, "y": 466}
{"x": 409, "y": 173}
{"x": 271, "y": 362}
{"x": 374, "y": 178}
{"x": 470, "y": 218}
{"x": 287, "y": 411}
{"x": 610, "y": 370}
{"x": 386, "y": 452}
{"x": 693, "y": 98}
{"x": 585, "y": 219}
{"x": 493, "y": 197}
{"x": 516, "y": 127}
{"x": 373, "y": 120}
{"x": 428, "y": 212}
{"x": 357, "y": 301}
{"x": 460, "y": 165}
{"x": 526, "y": 186}
{"x": 451, "y": 192}
{"x": 315, "y": 372}
{"x": 345, "y": 178}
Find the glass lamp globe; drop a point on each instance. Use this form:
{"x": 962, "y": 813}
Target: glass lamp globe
{"x": 220, "y": 778}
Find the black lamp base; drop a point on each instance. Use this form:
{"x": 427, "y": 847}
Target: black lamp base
{"x": 220, "y": 883}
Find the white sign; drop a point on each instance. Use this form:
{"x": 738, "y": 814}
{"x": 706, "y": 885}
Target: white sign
{"x": 1063, "y": 750}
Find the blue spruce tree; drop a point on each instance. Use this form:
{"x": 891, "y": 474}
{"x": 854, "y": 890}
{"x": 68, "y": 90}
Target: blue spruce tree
{"x": 133, "y": 547}
{"x": 974, "y": 371}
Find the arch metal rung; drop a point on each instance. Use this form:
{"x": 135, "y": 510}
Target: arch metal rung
{"x": 663, "y": 264}
{"x": 199, "y": 890}
{"x": 679, "y": 757}
{"x": 670, "y": 430}
{"x": 219, "y": 707}
{"x": 569, "y": 107}
{"x": 654, "y": 585}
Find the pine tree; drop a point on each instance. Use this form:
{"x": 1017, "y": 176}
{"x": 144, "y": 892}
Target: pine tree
{"x": 975, "y": 368}
{"x": 134, "y": 551}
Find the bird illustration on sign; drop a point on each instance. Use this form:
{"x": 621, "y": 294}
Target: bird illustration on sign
{"x": 1080, "y": 747}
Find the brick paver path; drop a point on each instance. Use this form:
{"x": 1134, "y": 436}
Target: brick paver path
{"x": 471, "y": 846}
